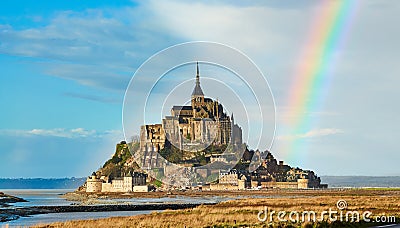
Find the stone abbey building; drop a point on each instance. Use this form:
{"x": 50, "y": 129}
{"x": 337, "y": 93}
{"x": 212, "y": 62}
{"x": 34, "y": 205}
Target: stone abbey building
{"x": 202, "y": 123}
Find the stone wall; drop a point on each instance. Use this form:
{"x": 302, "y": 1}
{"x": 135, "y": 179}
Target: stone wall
{"x": 143, "y": 188}
{"x": 223, "y": 187}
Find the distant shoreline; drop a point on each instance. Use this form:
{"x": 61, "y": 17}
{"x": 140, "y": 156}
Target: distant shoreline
{"x": 41, "y": 183}
{"x": 73, "y": 183}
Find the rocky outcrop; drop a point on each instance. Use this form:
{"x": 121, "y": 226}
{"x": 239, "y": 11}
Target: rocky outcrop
{"x": 5, "y": 199}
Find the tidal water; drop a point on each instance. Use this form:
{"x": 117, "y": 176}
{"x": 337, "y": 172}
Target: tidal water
{"x": 39, "y": 197}
{"x": 63, "y": 217}
{"x": 52, "y": 197}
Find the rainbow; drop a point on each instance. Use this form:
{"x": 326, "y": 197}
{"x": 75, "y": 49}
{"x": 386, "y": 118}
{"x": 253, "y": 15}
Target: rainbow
{"x": 313, "y": 73}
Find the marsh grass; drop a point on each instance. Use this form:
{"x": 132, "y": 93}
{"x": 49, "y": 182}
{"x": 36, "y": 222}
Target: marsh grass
{"x": 243, "y": 212}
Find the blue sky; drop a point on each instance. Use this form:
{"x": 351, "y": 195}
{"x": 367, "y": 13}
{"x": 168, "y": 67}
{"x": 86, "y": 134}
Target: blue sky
{"x": 65, "y": 66}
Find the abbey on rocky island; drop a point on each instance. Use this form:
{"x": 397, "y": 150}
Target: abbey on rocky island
{"x": 202, "y": 123}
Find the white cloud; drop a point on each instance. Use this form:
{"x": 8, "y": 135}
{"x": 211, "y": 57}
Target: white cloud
{"x": 104, "y": 99}
{"x": 254, "y": 29}
{"x": 311, "y": 134}
{"x": 286, "y": 114}
{"x": 62, "y": 133}
{"x": 97, "y": 48}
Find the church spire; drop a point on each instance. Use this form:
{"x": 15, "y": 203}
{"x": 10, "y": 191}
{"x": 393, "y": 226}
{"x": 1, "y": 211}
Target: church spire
{"x": 197, "y": 89}
{"x": 197, "y": 75}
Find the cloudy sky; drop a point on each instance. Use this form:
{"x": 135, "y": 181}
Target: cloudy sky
{"x": 65, "y": 67}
